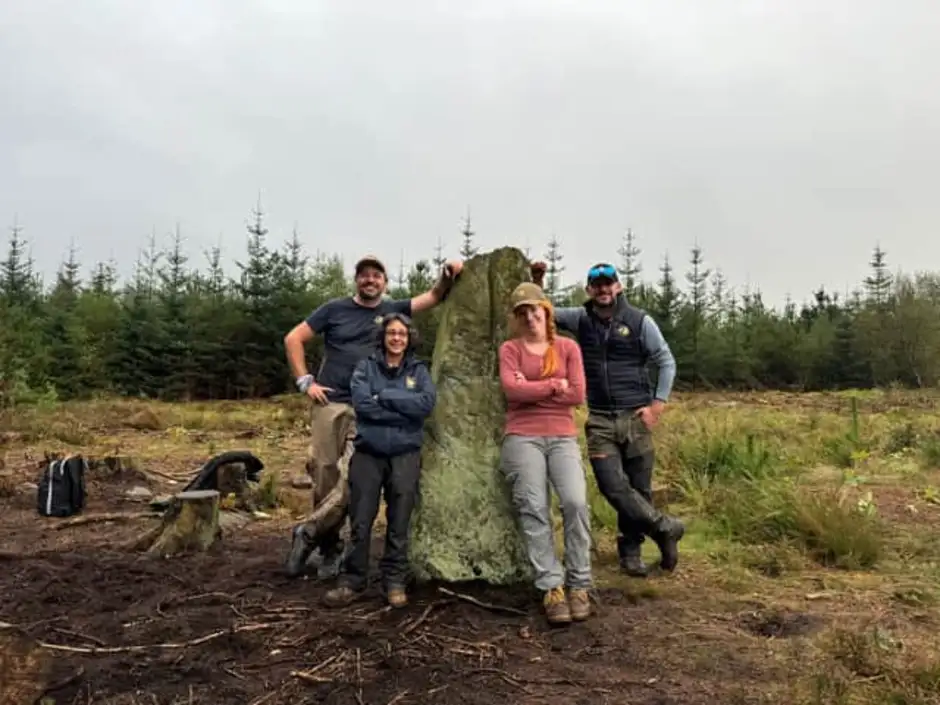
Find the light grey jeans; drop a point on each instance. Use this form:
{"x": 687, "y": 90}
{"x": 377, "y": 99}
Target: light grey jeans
{"x": 534, "y": 464}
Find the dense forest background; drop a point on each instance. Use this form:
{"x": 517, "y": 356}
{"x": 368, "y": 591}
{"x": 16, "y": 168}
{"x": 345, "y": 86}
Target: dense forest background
{"x": 177, "y": 330}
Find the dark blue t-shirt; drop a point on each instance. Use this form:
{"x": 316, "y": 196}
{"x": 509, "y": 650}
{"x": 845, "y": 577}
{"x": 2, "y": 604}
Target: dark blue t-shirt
{"x": 350, "y": 333}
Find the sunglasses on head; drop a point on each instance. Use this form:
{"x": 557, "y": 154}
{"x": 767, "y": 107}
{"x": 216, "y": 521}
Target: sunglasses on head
{"x": 603, "y": 271}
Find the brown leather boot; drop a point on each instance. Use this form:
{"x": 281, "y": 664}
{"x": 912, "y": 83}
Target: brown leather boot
{"x": 397, "y": 597}
{"x": 579, "y": 603}
{"x": 556, "y": 606}
{"x": 340, "y": 596}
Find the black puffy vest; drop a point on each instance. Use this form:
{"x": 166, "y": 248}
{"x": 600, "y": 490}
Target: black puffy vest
{"x": 614, "y": 358}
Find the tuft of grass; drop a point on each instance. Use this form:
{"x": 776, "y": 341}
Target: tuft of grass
{"x": 267, "y": 495}
{"x": 873, "y": 667}
{"x": 750, "y": 495}
{"x": 901, "y": 438}
{"x": 930, "y": 451}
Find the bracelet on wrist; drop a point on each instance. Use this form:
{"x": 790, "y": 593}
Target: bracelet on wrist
{"x": 305, "y": 382}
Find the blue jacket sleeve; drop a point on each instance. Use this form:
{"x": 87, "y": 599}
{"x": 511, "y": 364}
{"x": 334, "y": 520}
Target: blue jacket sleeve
{"x": 568, "y": 317}
{"x": 418, "y": 403}
{"x": 660, "y": 355}
{"x": 363, "y": 401}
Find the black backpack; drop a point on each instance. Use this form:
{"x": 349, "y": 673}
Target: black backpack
{"x": 62, "y": 487}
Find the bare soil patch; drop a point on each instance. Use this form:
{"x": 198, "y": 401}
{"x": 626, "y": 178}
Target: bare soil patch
{"x": 87, "y": 623}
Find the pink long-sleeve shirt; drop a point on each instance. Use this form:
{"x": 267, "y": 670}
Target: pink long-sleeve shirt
{"x": 534, "y": 409}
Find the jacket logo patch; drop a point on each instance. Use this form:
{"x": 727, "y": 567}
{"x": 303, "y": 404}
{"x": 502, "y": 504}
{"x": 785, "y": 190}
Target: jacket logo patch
{"x": 410, "y": 382}
{"x": 378, "y": 320}
{"x": 624, "y": 331}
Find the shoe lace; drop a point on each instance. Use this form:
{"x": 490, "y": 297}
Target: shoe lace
{"x": 555, "y": 596}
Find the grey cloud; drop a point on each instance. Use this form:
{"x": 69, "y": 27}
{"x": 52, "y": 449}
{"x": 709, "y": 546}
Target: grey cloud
{"x": 787, "y": 138}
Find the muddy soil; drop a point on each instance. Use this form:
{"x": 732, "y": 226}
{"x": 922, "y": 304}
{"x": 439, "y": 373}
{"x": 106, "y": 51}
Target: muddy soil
{"x": 84, "y": 622}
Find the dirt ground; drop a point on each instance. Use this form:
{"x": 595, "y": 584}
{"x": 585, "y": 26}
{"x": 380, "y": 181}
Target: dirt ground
{"x": 101, "y": 625}
{"x": 84, "y": 621}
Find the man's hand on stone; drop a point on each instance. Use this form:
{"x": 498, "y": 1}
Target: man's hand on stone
{"x": 445, "y": 281}
{"x": 452, "y": 268}
{"x": 537, "y": 271}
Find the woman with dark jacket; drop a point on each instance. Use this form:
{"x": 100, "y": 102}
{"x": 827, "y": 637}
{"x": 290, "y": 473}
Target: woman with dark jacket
{"x": 392, "y": 395}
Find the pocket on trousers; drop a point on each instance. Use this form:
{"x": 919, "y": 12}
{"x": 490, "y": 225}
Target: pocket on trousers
{"x": 640, "y": 439}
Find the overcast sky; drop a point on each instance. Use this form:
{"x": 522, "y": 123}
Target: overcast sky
{"x": 786, "y": 136}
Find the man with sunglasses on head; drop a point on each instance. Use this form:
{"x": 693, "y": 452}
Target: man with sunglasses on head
{"x": 348, "y": 326}
{"x": 617, "y": 340}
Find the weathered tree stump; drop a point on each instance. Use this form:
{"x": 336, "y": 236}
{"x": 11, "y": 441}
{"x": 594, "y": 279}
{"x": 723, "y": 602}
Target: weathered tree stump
{"x": 191, "y": 523}
{"x": 23, "y": 668}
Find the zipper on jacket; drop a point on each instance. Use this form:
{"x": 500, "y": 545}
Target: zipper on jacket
{"x": 610, "y": 396}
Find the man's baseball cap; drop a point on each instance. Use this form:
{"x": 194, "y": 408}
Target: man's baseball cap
{"x": 527, "y": 294}
{"x": 603, "y": 271}
{"x": 370, "y": 261}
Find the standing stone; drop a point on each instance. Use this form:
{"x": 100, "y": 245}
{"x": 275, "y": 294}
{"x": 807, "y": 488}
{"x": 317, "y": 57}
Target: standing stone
{"x": 464, "y": 526}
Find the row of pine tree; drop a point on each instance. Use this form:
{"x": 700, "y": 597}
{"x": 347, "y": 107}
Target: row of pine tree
{"x": 179, "y": 331}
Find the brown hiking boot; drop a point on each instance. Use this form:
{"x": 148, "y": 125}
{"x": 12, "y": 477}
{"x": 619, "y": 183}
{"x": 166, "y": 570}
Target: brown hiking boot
{"x": 556, "y": 606}
{"x": 397, "y": 597}
{"x": 339, "y": 596}
{"x": 579, "y": 603}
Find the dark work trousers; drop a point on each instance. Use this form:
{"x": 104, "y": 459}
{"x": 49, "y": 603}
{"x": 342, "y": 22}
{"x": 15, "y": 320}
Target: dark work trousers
{"x": 621, "y": 452}
{"x": 369, "y": 476}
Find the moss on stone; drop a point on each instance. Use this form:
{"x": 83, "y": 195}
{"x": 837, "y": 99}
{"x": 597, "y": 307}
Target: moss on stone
{"x": 465, "y": 527}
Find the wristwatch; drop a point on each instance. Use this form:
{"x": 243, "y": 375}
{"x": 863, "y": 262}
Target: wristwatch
{"x": 304, "y": 383}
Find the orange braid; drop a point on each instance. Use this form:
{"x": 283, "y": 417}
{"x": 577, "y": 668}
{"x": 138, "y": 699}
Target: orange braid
{"x": 550, "y": 358}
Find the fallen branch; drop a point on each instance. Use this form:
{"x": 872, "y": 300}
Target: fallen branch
{"x": 107, "y": 516}
{"x": 480, "y": 603}
{"x": 178, "y": 477}
{"x": 310, "y": 674}
{"x": 414, "y": 625}
{"x": 147, "y": 647}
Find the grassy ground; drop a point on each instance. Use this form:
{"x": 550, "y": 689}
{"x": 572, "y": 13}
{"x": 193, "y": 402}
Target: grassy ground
{"x": 813, "y": 551}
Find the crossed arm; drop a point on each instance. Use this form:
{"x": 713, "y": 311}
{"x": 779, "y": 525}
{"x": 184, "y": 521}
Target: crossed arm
{"x": 521, "y": 390}
{"x": 415, "y": 404}
{"x": 392, "y": 407}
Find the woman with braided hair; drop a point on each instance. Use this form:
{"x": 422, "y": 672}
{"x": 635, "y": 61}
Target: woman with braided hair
{"x": 543, "y": 379}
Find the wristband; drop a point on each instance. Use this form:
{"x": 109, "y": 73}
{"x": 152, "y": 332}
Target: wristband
{"x": 304, "y": 383}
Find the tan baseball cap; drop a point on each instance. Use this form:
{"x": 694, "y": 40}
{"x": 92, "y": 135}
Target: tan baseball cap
{"x": 370, "y": 261}
{"x": 527, "y": 294}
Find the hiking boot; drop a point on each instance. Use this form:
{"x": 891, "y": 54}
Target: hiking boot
{"x": 556, "y": 606}
{"x": 579, "y": 603}
{"x": 632, "y": 564}
{"x": 329, "y": 567}
{"x": 667, "y": 532}
{"x": 397, "y": 597}
{"x": 299, "y": 553}
{"x": 340, "y": 596}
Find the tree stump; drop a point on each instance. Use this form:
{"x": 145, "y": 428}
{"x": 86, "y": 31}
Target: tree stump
{"x": 191, "y": 523}
{"x": 23, "y": 668}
